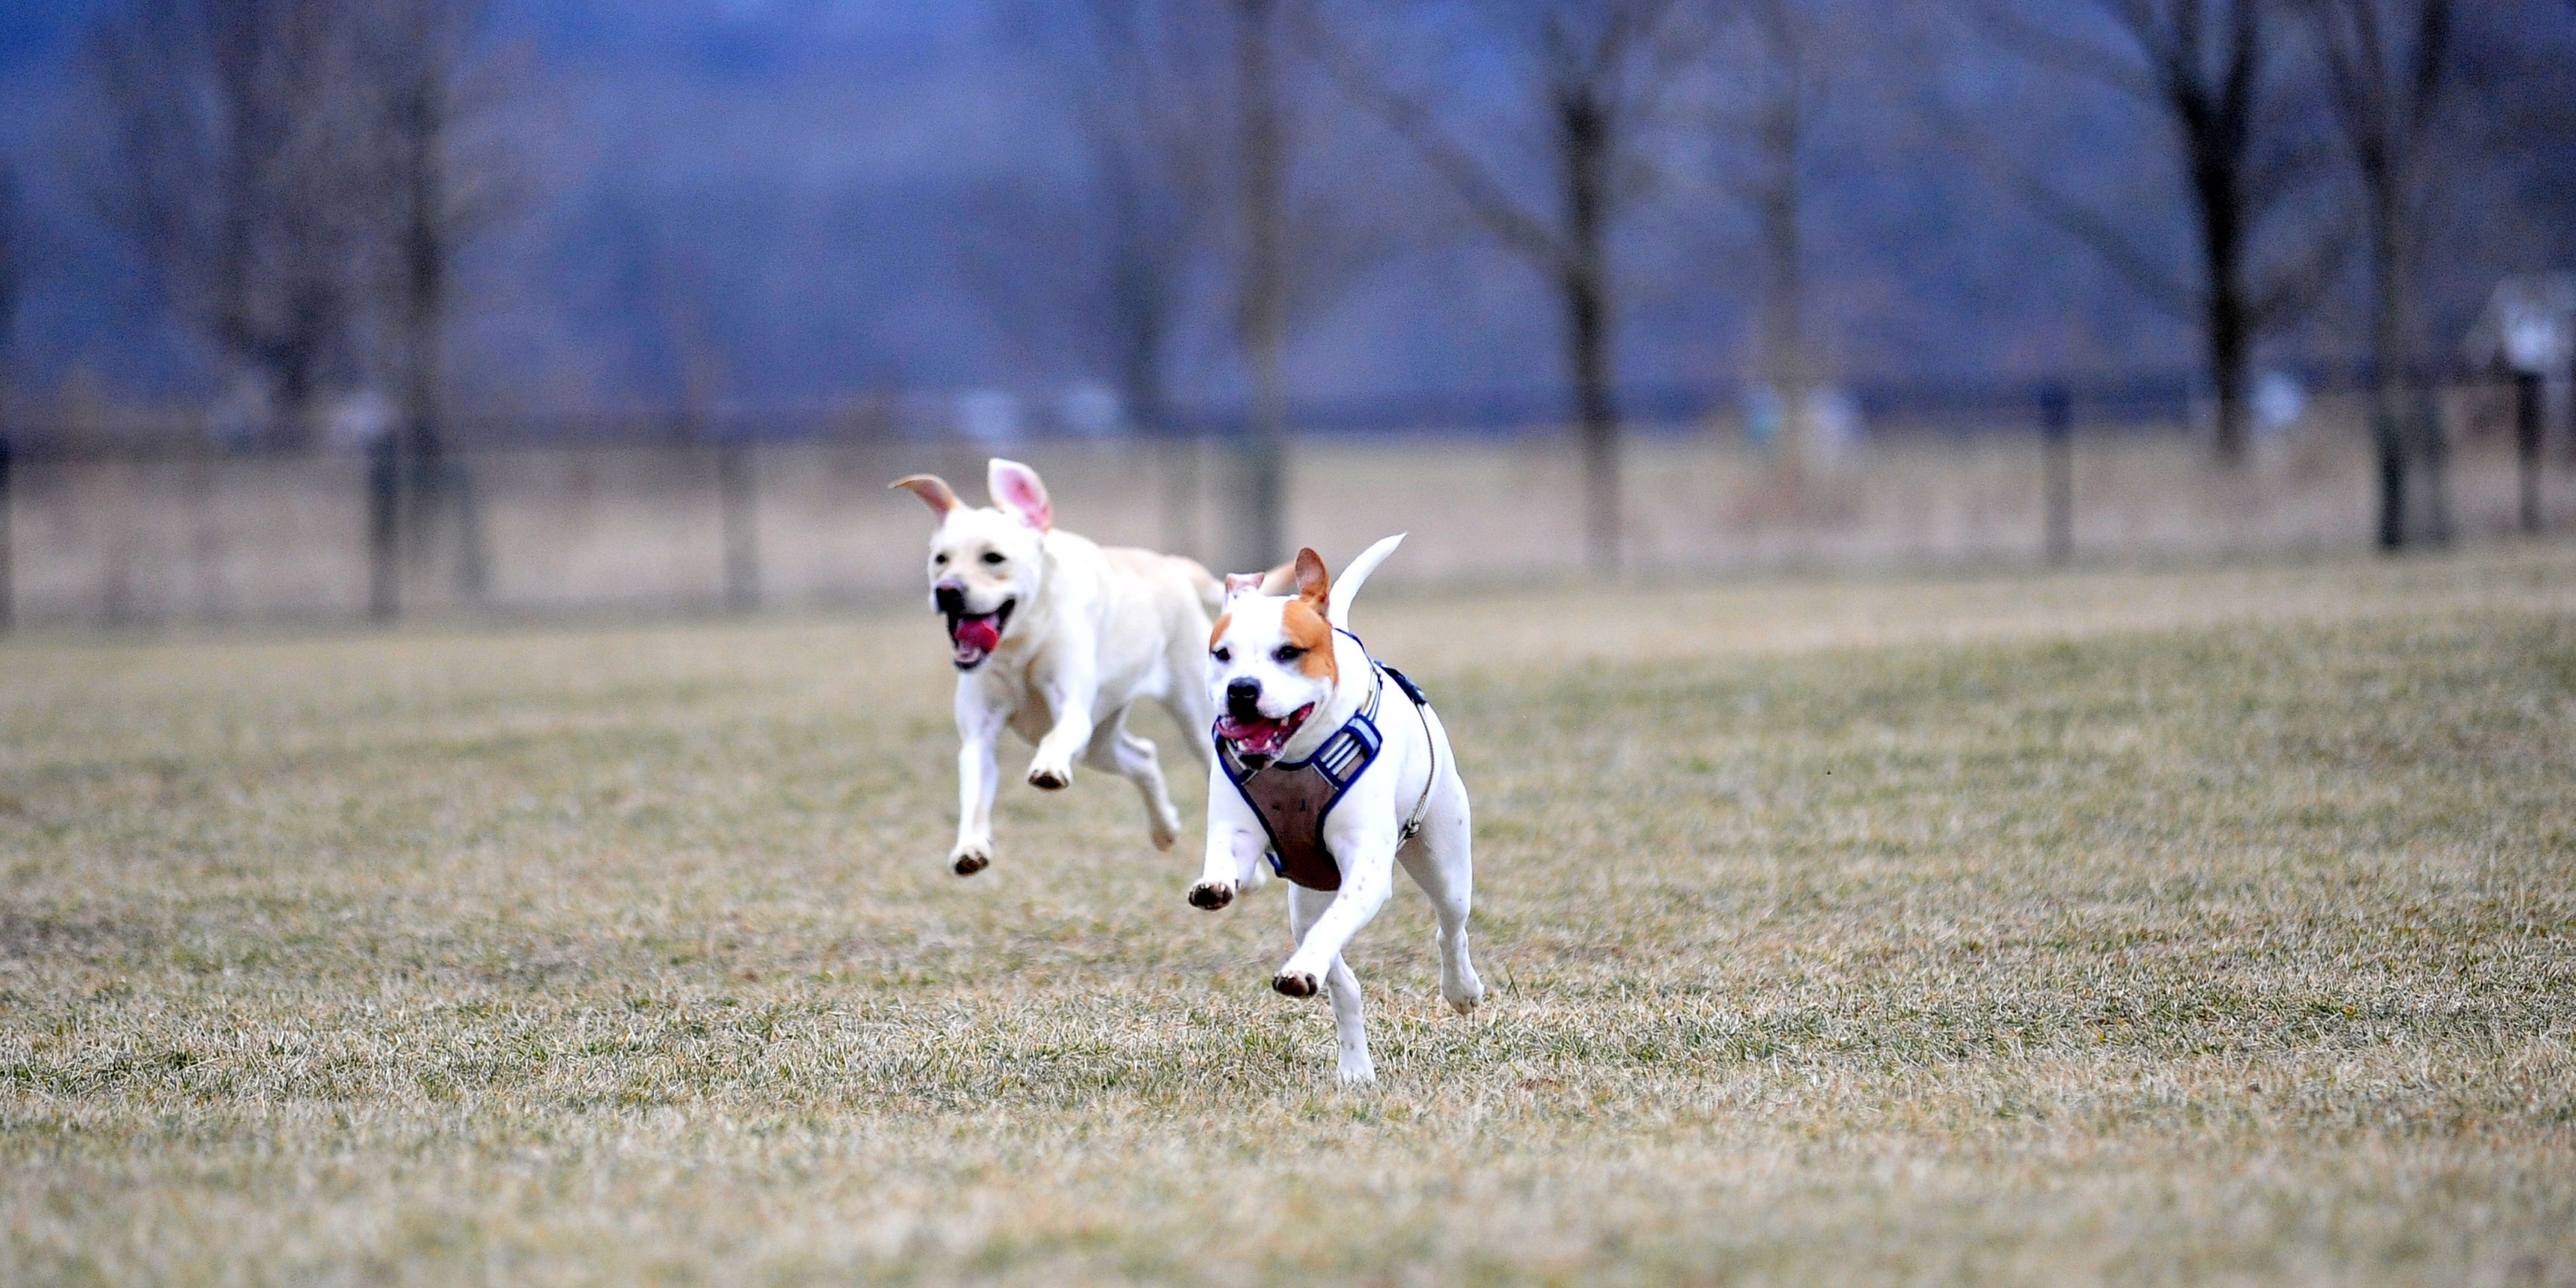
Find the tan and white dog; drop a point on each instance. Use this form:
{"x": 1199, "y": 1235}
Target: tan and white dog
{"x": 1338, "y": 770}
{"x": 1057, "y": 638}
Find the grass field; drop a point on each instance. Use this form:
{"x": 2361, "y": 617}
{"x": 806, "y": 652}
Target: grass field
{"x": 2195, "y": 926}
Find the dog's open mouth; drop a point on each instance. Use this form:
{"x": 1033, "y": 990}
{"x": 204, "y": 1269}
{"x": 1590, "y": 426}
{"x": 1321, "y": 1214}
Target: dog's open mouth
{"x": 974, "y": 636}
{"x": 1259, "y": 739}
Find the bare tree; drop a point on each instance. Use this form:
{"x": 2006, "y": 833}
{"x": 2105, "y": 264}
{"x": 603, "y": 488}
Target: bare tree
{"x": 2390, "y": 68}
{"x": 1208, "y": 192}
{"x": 1147, "y": 106}
{"x": 1781, "y": 85}
{"x": 238, "y": 139}
{"x": 2212, "y": 69}
{"x": 1599, "y": 70}
{"x": 436, "y": 193}
{"x": 1261, "y": 293}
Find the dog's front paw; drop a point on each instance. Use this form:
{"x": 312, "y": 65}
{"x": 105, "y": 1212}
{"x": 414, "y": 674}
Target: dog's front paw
{"x": 1211, "y": 895}
{"x": 967, "y": 860}
{"x": 1050, "y": 778}
{"x": 1355, "y": 1073}
{"x": 1294, "y": 984}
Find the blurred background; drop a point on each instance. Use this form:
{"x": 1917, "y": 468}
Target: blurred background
{"x": 330, "y": 308}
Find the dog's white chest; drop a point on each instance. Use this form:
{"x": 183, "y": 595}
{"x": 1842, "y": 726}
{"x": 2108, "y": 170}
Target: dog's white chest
{"x": 1004, "y": 684}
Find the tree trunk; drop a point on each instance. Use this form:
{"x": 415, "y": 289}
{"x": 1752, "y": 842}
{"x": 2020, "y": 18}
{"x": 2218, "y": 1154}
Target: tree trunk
{"x": 2395, "y": 413}
{"x": 2226, "y": 318}
{"x": 296, "y": 384}
{"x": 1261, "y": 448}
{"x": 1784, "y": 343}
{"x": 424, "y": 303}
{"x": 1588, "y": 324}
{"x": 2231, "y": 355}
{"x": 436, "y": 489}
{"x": 1149, "y": 417}
{"x": 1780, "y": 132}
{"x": 2414, "y": 421}
{"x": 1141, "y": 298}
{"x": 2433, "y": 447}
{"x": 2390, "y": 442}
{"x": 1584, "y": 282}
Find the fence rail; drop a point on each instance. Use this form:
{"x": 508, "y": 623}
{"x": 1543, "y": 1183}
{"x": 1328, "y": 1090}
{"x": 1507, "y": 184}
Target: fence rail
{"x": 739, "y": 511}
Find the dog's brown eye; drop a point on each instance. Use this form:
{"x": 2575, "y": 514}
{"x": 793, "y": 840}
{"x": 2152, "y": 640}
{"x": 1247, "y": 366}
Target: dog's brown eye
{"x": 1288, "y": 653}
{"x": 992, "y": 556}
{"x": 1224, "y": 655}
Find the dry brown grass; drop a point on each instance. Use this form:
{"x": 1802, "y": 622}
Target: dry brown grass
{"x": 2190, "y": 927}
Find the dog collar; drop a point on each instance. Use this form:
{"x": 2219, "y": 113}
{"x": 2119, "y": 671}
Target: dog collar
{"x": 1292, "y": 799}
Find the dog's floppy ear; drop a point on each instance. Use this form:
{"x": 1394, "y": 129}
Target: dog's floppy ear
{"x": 932, "y": 489}
{"x": 1015, "y": 487}
{"x": 1313, "y": 585}
{"x": 1239, "y": 584}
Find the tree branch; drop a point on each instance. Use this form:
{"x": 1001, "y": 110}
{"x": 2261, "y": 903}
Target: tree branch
{"x": 2089, "y": 226}
{"x": 1485, "y": 196}
{"x": 2296, "y": 289}
{"x": 2067, "y": 54}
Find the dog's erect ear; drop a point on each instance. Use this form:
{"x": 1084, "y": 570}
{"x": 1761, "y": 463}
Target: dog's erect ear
{"x": 932, "y": 489}
{"x": 1239, "y": 584}
{"x": 1015, "y": 488}
{"x": 1312, "y": 585}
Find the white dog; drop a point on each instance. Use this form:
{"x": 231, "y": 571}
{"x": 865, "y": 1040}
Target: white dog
{"x": 1056, "y": 638}
{"x": 1331, "y": 769}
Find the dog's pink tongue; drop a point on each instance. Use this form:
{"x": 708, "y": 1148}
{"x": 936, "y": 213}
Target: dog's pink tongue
{"x": 978, "y": 633}
{"x": 1259, "y": 737}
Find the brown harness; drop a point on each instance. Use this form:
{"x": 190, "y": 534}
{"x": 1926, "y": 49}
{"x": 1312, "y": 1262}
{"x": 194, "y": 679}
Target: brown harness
{"x": 1292, "y": 801}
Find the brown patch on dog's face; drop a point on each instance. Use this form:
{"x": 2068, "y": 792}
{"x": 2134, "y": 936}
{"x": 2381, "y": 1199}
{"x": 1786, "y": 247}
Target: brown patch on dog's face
{"x": 1306, "y": 628}
{"x": 1218, "y": 633}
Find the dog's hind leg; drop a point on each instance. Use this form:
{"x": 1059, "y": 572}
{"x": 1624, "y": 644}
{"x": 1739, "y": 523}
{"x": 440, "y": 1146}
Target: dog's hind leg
{"x": 1351, "y": 1061}
{"x": 1120, "y": 752}
{"x": 1441, "y": 860}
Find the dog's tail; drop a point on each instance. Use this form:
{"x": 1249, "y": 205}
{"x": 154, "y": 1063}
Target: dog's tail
{"x": 1211, "y": 591}
{"x": 1347, "y": 586}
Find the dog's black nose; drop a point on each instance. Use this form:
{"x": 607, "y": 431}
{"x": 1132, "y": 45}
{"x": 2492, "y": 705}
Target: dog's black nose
{"x": 950, "y": 596}
{"x": 1243, "y": 698}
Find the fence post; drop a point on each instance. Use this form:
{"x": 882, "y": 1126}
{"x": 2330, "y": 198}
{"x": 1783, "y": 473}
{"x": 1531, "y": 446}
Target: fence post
{"x": 384, "y": 528}
{"x": 2526, "y": 444}
{"x": 737, "y": 505}
{"x": 2057, "y": 452}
